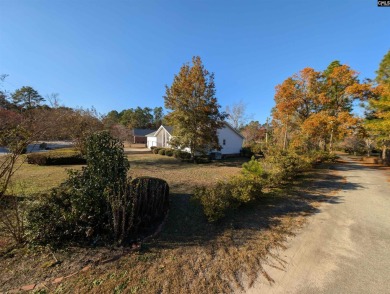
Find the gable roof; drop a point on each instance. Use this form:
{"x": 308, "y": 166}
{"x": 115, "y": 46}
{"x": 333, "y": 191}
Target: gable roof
{"x": 141, "y": 132}
{"x": 169, "y": 129}
{"x": 153, "y": 134}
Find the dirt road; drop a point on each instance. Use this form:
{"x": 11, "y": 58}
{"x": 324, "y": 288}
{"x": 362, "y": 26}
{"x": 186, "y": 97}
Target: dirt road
{"x": 343, "y": 249}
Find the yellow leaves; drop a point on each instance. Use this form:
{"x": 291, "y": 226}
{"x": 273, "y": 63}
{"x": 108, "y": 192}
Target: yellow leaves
{"x": 342, "y": 75}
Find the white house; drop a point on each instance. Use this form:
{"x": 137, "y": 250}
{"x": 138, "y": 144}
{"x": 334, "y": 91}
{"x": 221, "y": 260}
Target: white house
{"x": 229, "y": 139}
{"x": 159, "y": 138}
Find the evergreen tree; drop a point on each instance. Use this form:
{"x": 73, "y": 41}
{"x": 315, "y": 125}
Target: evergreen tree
{"x": 27, "y": 97}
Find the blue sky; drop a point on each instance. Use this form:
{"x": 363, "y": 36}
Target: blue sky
{"x": 121, "y": 54}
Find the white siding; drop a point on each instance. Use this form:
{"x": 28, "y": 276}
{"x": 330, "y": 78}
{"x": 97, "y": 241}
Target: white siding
{"x": 233, "y": 142}
{"x": 151, "y": 141}
{"x": 163, "y": 138}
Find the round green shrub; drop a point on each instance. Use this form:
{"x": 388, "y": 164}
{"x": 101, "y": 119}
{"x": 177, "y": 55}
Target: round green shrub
{"x": 169, "y": 153}
{"x": 161, "y": 152}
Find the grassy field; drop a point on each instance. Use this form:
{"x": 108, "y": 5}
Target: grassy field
{"x": 190, "y": 255}
{"x": 31, "y": 179}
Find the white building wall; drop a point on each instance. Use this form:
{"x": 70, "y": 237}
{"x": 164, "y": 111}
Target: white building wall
{"x": 229, "y": 140}
{"x": 151, "y": 141}
{"x": 161, "y": 139}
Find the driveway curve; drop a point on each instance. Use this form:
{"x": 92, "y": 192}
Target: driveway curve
{"x": 346, "y": 247}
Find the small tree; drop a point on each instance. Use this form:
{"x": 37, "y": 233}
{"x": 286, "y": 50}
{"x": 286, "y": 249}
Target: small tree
{"x": 195, "y": 112}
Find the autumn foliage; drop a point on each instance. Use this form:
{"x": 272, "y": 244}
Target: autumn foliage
{"x": 314, "y": 109}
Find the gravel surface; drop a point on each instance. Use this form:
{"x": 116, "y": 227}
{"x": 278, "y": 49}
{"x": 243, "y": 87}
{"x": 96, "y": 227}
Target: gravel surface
{"x": 345, "y": 248}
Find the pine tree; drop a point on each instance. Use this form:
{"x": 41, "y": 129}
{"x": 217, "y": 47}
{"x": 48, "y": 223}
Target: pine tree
{"x": 27, "y": 97}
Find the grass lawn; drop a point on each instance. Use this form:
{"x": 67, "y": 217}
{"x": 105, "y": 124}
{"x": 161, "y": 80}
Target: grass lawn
{"x": 190, "y": 255}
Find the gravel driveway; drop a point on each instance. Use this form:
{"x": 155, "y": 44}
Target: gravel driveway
{"x": 345, "y": 248}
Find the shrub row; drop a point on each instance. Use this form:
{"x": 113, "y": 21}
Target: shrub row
{"x": 171, "y": 152}
{"x": 162, "y": 151}
{"x": 273, "y": 170}
{"x": 56, "y": 158}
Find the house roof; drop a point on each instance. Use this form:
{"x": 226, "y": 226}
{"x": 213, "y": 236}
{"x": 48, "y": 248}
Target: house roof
{"x": 142, "y": 132}
{"x": 169, "y": 129}
{"x": 153, "y": 134}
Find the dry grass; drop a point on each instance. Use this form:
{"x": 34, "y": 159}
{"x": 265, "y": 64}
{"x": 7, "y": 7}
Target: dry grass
{"x": 182, "y": 177}
{"x": 31, "y": 179}
{"x": 190, "y": 255}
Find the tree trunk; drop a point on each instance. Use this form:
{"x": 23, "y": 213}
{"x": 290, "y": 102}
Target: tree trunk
{"x": 331, "y": 141}
{"x": 384, "y": 153}
{"x": 285, "y": 139}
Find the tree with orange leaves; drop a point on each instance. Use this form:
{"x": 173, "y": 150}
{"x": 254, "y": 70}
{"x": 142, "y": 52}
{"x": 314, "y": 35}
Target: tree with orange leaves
{"x": 314, "y": 108}
{"x": 195, "y": 113}
{"x": 296, "y": 99}
{"x": 378, "y": 123}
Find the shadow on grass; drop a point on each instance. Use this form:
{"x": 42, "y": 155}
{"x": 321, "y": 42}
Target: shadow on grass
{"x": 187, "y": 225}
{"x": 170, "y": 163}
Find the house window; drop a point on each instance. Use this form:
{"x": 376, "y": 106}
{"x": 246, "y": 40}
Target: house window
{"x": 224, "y": 142}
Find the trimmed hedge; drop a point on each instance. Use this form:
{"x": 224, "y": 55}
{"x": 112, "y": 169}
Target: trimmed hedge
{"x": 56, "y": 158}
{"x": 161, "y": 152}
{"x": 169, "y": 153}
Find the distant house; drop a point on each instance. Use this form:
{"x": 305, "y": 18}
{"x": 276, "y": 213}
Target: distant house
{"x": 160, "y": 138}
{"x": 138, "y": 136}
{"x": 229, "y": 139}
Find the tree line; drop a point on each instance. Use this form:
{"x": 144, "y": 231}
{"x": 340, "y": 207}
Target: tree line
{"x": 314, "y": 109}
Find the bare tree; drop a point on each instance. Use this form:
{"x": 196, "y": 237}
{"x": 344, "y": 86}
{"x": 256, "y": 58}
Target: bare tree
{"x": 237, "y": 115}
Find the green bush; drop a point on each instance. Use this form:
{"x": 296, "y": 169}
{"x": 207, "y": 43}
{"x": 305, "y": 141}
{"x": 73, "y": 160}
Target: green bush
{"x": 322, "y": 156}
{"x": 156, "y": 150}
{"x": 257, "y": 149}
{"x": 253, "y": 168}
{"x": 99, "y": 203}
{"x": 161, "y": 152}
{"x": 81, "y": 208}
{"x": 183, "y": 155}
{"x": 226, "y": 195}
{"x": 281, "y": 167}
{"x": 56, "y": 158}
{"x": 169, "y": 153}
{"x": 246, "y": 152}
{"x": 152, "y": 148}
{"x": 215, "y": 200}
{"x": 253, "y": 149}
{"x": 202, "y": 159}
